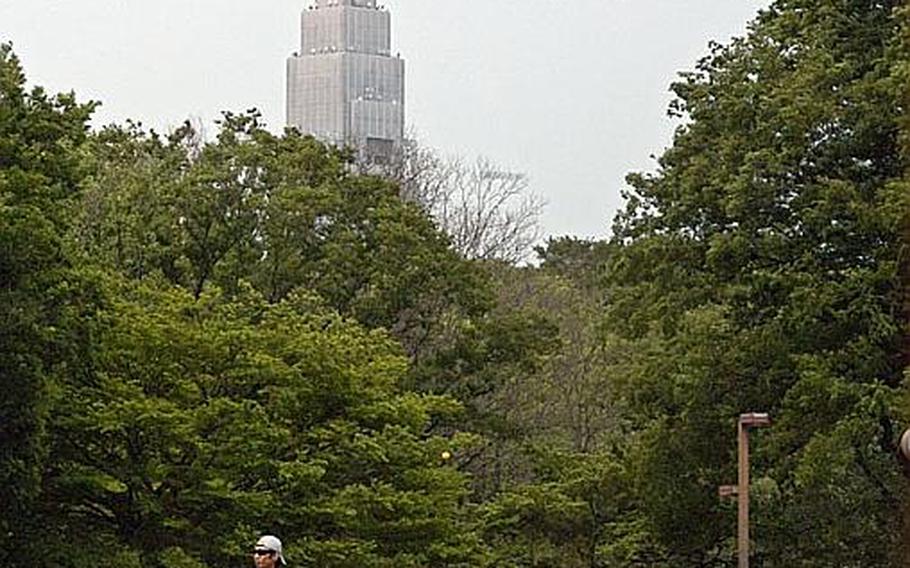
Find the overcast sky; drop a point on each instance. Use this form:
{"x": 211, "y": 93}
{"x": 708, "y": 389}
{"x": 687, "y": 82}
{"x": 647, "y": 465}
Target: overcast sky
{"x": 573, "y": 93}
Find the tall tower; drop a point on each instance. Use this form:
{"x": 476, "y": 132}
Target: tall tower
{"x": 344, "y": 86}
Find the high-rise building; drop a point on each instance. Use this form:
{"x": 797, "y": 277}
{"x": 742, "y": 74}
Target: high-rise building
{"x": 344, "y": 86}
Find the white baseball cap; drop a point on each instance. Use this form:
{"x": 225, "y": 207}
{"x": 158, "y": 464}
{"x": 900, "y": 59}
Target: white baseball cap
{"x": 272, "y": 544}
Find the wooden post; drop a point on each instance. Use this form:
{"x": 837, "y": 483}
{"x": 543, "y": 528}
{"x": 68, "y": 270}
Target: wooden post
{"x": 742, "y": 533}
{"x": 741, "y": 490}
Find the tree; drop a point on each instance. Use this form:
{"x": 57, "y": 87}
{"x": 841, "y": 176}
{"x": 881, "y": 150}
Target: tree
{"x": 562, "y": 480}
{"x": 488, "y": 212}
{"x": 211, "y": 419}
{"x": 45, "y": 303}
{"x": 282, "y": 213}
{"x": 758, "y": 270}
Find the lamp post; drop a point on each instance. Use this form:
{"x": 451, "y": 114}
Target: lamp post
{"x": 740, "y": 491}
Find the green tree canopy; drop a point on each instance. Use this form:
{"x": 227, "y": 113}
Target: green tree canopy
{"x": 43, "y": 300}
{"x": 282, "y": 213}
{"x": 758, "y": 270}
{"x": 210, "y": 420}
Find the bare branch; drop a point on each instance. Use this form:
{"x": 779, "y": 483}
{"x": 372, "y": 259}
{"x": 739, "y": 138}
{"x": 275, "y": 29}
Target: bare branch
{"x": 489, "y": 213}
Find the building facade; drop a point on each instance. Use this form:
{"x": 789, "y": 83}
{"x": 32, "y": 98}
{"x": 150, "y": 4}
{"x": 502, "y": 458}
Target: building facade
{"x": 344, "y": 86}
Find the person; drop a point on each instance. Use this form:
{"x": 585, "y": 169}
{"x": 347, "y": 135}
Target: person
{"x": 267, "y": 553}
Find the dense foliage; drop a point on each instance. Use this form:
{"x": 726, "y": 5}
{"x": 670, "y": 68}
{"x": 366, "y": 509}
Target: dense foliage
{"x": 759, "y": 268}
{"x": 209, "y": 420}
{"x": 43, "y": 297}
{"x": 198, "y": 348}
{"x": 205, "y": 340}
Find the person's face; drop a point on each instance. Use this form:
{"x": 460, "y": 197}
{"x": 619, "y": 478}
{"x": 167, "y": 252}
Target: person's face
{"x": 265, "y": 559}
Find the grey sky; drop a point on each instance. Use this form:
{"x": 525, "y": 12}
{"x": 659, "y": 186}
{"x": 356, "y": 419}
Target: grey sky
{"x": 574, "y": 93}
